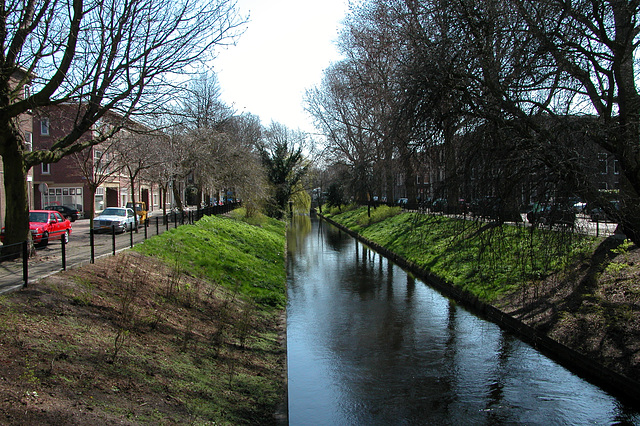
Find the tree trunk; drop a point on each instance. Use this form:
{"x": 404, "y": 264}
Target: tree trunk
{"x": 133, "y": 203}
{"x": 163, "y": 199}
{"x": 17, "y": 204}
{"x": 176, "y": 196}
{"x": 92, "y": 206}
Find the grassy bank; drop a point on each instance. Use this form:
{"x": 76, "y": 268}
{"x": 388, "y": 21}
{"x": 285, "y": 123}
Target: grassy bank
{"x": 580, "y": 291}
{"x": 482, "y": 258}
{"x": 184, "y": 330}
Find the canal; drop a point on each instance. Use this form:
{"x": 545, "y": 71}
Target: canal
{"x": 367, "y": 344}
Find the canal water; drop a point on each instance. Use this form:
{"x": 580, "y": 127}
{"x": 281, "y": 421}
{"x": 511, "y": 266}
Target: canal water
{"x": 367, "y": 344}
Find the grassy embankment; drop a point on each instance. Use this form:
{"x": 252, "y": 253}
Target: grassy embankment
{"x": 481, "y": 258}
{"x": 183, "y": 330}
{"x": 580, "y": 291}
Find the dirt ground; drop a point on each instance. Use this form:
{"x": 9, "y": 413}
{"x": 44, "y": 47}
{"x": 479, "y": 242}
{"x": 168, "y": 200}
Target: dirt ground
{"x": 593, "y": 308}
{"x": 80, "y": 349}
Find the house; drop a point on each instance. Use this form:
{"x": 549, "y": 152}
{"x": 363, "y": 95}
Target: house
{"x": 494, "y": 162}
{"x": 66, "y": 182}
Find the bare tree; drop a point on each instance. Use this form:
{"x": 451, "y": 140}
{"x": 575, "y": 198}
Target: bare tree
{"x": 135, "y": 154}
{"x": 162, "y": 173}
{"x": 203, "y": 107}
{"x": 97, "y": 166}
{"x": 343, "y": 112}
{"x": 100, "y": 56}
{"x": 242, "y": 163}
{"x": 540, "y": 61}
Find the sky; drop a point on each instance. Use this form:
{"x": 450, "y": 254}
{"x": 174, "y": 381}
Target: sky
{"x": 283, "y": 52}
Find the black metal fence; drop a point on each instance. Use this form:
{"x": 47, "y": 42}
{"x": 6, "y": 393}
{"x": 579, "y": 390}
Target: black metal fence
{"x": 17, "y": 266}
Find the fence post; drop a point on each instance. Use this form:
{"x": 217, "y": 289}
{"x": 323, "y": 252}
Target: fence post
{"x": 131, "y": 234}
{"x": 113, "y": 238}
{"x": 157, "y": 225}
{"x": 25, "y": 262}
{"x": 146, "y": 226}
{"x": 64, "y": 253}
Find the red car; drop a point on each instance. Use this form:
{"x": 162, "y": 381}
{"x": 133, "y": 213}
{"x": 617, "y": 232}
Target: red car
{"x": 46, "y": 225}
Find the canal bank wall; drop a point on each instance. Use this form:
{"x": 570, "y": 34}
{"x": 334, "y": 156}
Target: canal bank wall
{"x": 597, "y": 373}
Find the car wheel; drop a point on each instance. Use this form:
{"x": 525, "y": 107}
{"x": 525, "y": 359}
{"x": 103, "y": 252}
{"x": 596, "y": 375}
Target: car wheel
{"x": 66, "y": 236}
{"x": 45, "y": 239}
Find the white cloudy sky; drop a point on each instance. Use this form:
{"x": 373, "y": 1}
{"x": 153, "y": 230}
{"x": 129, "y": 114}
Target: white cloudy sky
{"x": 287, "y": 45}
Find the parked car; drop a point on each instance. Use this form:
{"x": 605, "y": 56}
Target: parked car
{"x": 120, "y": 218}
{"x": 68, "y": 212}
{"x": 46, "y": 225}
{"x": 579, "y": 206}
{"x": 605, "y": 213}
{"x": 552, "y": 214}
{"x": 141, "y": 210}
{"x": 439, "y": 205}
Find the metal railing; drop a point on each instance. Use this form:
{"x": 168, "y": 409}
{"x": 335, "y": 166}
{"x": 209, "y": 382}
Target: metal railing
{"x": 17, "y": 267}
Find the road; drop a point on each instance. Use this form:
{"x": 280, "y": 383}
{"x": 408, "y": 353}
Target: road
{"x": 48, "y": 260}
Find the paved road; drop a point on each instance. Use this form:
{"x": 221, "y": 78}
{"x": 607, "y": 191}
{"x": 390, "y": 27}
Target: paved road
{"x": 48, "y": 260}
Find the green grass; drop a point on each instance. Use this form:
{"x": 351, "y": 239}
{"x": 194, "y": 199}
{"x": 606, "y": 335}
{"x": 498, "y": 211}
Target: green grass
{"x": 230, "y": 252}
{"x": 484, "y": 260}
{"x": 193, "y": 353}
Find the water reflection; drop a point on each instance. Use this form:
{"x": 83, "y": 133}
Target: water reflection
{"x": 369, "y": 344}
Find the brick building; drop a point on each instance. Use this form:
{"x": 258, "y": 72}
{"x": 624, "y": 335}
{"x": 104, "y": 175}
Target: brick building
{"x": 64, "y": 183}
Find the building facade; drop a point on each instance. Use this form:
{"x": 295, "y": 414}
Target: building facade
{"x": 66, "y": 182}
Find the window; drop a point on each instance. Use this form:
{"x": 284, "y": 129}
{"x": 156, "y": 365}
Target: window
{"x": 46, "y": 170}
{"x": 602, "y": 164}
{"x": 101, "y": 161}
{"x": 28, "y": 141}
{"x": 44, "y": 126}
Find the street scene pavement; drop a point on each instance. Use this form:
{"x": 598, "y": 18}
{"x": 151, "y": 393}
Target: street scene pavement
{"x": 48, "y": 259}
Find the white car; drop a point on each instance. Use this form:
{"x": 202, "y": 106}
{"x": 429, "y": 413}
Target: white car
{"x": 120, "y": 218}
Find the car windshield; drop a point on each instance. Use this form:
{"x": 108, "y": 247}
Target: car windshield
{"x": 113, "y": 212}
{"x": 38, "y": 216}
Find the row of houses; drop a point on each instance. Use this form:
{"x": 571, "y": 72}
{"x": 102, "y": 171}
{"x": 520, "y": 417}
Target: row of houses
{"x": 477, "y": 169}
{"x": 63, "y": 183}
